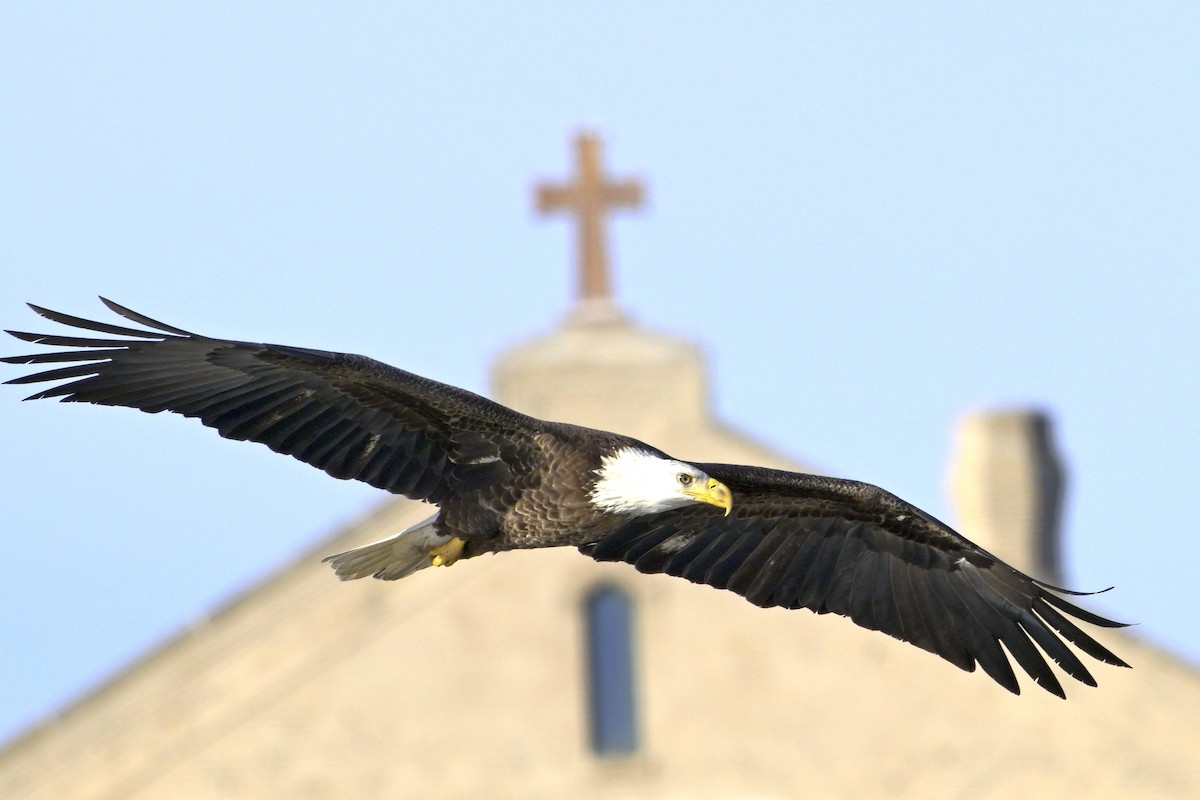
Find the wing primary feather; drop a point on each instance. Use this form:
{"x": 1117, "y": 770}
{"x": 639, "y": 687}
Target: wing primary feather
{"x": 998, "y": 619}
{"x": 92, "y": 325}
{"x": 64, "y": 391}
{"x": 60, "y": 356}
{"x": 142, "y": 319}
{"x": 1055, "y": 648}
{"x": 76, "y": 371}
{"x": 139, "y": 391}
{"x": 1071, "y": 592}
{"x": 1080, "y": 613}
{"x": 1073, "y": 634}
{"x": 984, "y": 648}
{"x": 52, "y": 340}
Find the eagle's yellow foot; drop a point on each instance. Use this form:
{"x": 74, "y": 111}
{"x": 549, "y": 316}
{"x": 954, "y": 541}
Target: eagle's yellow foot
{"x": 446, "y": 553}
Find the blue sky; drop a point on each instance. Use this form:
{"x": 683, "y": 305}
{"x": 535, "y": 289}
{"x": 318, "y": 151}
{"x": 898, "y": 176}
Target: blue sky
{"x": 874, "y": 218}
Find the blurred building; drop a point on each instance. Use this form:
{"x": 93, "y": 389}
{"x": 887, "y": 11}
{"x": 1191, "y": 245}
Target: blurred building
{"x": 546, "y": 675}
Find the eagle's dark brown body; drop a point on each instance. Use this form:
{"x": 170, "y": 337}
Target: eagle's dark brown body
{"x": 504, "y": 480}
{"x": 533, "y": 496}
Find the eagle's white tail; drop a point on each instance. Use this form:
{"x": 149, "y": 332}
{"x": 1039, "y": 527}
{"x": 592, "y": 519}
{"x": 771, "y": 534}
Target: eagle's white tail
{"x": 390, "y": 559}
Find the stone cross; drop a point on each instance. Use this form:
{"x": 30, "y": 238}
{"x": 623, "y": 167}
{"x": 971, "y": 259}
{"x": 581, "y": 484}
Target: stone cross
{"x": 589, "y": 197}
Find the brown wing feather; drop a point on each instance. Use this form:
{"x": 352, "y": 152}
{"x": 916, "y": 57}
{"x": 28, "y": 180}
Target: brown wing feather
{"x": 849, "y": 548}
{"x": 348, "y": 415}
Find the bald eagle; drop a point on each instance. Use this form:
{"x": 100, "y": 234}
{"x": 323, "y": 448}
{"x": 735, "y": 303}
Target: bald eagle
{"x": 506, "y": 481}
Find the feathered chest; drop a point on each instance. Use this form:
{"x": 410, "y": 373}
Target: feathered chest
{"x": 555, "y": 505}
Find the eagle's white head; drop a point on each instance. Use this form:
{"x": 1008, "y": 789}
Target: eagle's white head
{"x": 633, "y": 481}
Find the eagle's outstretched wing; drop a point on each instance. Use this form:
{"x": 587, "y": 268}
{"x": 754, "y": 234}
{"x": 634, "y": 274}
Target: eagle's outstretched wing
{"x": 831, "y": 545}
{"x": 348, "y": 415}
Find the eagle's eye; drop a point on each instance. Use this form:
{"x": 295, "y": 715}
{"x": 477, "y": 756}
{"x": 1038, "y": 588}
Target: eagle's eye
{"x": 685, "y": 479}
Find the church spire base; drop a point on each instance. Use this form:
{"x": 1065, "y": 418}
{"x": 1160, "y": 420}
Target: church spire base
{"x": 589, "y": 311}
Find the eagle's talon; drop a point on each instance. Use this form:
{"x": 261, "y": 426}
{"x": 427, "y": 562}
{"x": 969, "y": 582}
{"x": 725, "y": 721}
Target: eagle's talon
{"x": 446, "y": 553}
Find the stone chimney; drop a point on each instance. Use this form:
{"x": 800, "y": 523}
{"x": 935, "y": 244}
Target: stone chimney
{"x": 1006, "y": 484}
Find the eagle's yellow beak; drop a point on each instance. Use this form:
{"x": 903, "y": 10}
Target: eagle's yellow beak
{"x": 715, "y": 493}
